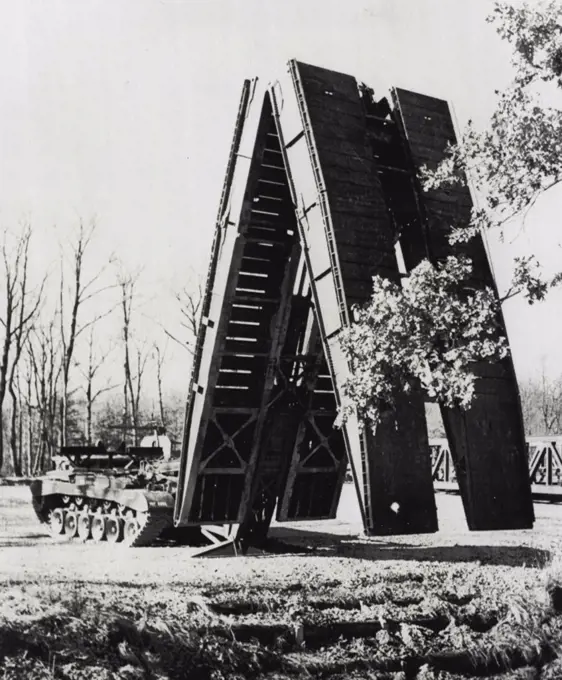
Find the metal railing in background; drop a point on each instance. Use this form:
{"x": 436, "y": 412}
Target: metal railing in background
{"x": 545, "y": 466}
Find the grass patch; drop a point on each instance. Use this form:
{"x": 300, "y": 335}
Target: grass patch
{"x": 392, "y": 620}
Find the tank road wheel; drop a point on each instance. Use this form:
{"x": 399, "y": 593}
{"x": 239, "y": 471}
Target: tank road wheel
{"x": 98, "y": 528}
{"x": 56, "y": 522}
{"x": 84, "y": 526}
{"x": 130, "y": 530}
{"x": 113, "y": 529}
{"x": 71, "y": 524}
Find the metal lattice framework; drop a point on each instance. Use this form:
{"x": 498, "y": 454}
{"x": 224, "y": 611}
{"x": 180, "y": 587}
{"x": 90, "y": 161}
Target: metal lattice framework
{"x": 544, "y": 455}
{"x": 321, "y": 184}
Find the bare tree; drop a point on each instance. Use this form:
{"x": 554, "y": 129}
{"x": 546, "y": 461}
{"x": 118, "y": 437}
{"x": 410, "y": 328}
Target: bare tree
{"x": 43, "y": 353}
{"x": 160, "y": 356}
{"x": 550, "y": 403}
{"x": 127, "y": 285}
{"x": 541, "y": 401}
{"x": 135, "y": 384}
{"x": 134, "y": 357}
{"x": 21, "y": 334}
{"x": 80, "y": 291}
{"x": 529, "y": 397}
{"x": 95, "y": 362}
{"x": 27, "y": 401}
{"x": 21, "y": 305}
{"x": 189, "y": 302}
{"x": 15, "y": 419}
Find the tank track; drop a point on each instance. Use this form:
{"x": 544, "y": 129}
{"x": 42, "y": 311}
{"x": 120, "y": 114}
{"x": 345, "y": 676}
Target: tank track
{"x": 152, "y": 523}
{"x": 157, "y": 521}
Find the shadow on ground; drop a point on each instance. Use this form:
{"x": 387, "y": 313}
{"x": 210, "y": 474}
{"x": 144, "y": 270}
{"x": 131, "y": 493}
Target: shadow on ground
{"x": 298, "y": 541}
{"x": 24, "y": 540}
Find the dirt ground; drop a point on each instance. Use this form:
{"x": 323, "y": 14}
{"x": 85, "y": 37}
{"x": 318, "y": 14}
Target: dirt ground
{"x": 27, "y": 553}
{"x": 452, "y": 605}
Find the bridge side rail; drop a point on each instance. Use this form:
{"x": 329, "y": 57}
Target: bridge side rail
{"x": 544, "y": 455}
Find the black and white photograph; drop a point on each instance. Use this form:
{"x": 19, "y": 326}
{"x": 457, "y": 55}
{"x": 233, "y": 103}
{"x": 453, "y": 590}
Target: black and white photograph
{"x": 280, "y": 339}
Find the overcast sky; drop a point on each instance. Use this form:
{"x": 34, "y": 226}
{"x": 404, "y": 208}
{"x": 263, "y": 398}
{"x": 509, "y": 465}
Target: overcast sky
{"x": 124, "y": 109}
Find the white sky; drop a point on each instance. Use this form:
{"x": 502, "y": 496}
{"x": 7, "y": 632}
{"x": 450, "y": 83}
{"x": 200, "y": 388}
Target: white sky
{"x": 124, "y": 109}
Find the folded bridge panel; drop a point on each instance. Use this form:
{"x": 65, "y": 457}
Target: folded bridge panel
{"x": 347, "y": 237}
{"x": 245, "y": 316}
{"x": 320, "y": 186}
{"x": 487, "y": 441}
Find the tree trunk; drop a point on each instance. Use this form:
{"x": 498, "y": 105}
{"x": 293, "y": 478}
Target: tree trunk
{"x": 63, "y": 414}
{"x": 1, "y": 442}
{"x": 3, "y": 385}
{"x": 125, "y": 409}
{"x": 161, "y": 404}
{"x": 16, "y": 461}
{"x": 20, "y": 432}
{"x": 29, "y": 430}
{"x": 89, "y": 414}
{"x": 39, "y": 459}
{"x": 159, "y": 362}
